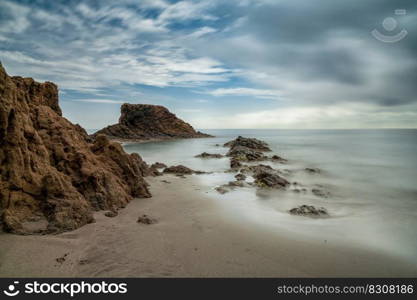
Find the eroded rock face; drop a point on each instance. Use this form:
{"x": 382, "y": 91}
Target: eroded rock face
{"x": 49, "y": 170}
{"x": 242, "y": 153}
{"x": 250, "y": 143}
{"x": 145, "y": 121}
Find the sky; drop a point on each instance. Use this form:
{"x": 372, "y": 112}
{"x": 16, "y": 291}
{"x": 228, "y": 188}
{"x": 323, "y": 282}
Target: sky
{"x": 222, "y": 64}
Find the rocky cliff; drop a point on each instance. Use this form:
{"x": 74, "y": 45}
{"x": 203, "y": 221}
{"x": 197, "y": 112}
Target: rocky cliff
{"x": 51, "y": 177}
{"x": 145, "y": 121}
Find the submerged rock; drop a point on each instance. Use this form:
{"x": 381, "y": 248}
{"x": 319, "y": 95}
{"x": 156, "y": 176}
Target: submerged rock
{"x": 309, "y": 211}
{"x": 221, "y": 190}
{"x": 250, "y": 143}
{"x": 312, "y": 170}
{"x": 240, "y": 177}
{"x": 320, "y": 193}
{"x": 209, "y": 155}
{"x": 50, "y": 168}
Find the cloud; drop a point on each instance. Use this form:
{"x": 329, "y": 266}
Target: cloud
{"x": 311, "y": 117}
{"x": 318, "y": 58}
{"x": 15, "y": 17}
{"x": 240, "y": 91}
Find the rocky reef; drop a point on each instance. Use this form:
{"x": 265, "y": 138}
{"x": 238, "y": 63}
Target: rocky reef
{"x": 52, "y": 176}
{"x": 149, "y": 122}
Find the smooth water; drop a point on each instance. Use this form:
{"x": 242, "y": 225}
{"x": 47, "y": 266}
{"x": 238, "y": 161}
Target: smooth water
{"x": 371, "y": 175}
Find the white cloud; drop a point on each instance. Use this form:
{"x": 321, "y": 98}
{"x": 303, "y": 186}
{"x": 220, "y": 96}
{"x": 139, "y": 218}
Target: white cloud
{"x": 312, "y": 117}
{"x": 241, "y": 91}
{"x": 19, "y": 14}
{"x": 201, "y": 31}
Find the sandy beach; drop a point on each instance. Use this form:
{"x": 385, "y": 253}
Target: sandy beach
{"x": 192, "y": 238}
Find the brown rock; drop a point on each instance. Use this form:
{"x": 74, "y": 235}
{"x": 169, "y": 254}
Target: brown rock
{"x": 49, "y": 167}
{"x": 234, "y": 163}
{"x": 111, "y": 214}
{"x": 209, "y": 155}
{"x": 242, "y": 153}
{"x": 250, "y": 143}
{"x": 240, "y": 177}
{"x": 145, "y": 121}
{"x": 158, "y": 165}
{"x": 145, "y": 219}
{"x": 269, "y": 179}
{"x": 309, "y": 211}
{"x": 180, "y": 169}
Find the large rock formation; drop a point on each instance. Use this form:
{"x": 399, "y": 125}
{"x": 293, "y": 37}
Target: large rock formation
{"x": 145, "y": 121}
{"x": 49, "y": 172}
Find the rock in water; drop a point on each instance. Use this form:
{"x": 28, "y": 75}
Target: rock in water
{"x": 180, "y": 169}
{"x": 48, "y": 167}
{"x": 209, "y": 155}
{"x": 145, "y": 121}
{"x": 268, "y": 179}
{"x": 250, "y": 143}
{"x": 309, "y": 211}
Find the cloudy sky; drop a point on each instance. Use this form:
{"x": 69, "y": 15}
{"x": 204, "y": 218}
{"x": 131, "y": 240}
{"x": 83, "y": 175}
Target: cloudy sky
{"x": 222, "y": 64}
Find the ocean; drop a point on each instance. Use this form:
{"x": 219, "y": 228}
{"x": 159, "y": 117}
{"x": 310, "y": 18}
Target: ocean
{"x": 371, "y": 176}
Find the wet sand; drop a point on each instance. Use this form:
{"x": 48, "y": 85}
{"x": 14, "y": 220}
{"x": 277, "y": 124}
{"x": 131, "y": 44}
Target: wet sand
{"x": 193, "y": 238}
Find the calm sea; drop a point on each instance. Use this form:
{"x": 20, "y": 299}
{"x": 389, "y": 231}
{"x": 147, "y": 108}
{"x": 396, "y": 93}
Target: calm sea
{"x": 371, "y": 176}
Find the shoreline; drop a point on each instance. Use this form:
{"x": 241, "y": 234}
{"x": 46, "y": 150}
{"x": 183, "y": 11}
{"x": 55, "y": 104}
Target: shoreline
{"x": 193, "y": 237}
{"x": 152, "y": 140}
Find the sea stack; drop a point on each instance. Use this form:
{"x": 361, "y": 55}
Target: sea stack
{"x": 148, "y": 122}
{"x": 52, "y": 177}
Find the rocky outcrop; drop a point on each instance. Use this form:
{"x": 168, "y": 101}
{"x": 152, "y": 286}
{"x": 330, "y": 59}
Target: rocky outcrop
{"x": 242, "y": 153}
{"x": 309, "y": 211}
{"x": 50, "y": 173}
{"x": 250, "y": 143}
{"x": 149, "y": 122}
{"x": 267, "y": 179}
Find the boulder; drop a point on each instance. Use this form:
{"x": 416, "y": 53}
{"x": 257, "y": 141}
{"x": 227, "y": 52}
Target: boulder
{"x": 145, "y": 219}
{"x": 242, "y": 153}
{"x": 250, "y": 143}
{"x": 309, "y": 211}
{"x": 180, "y": 169}
{"x": 209, "y": 155}
{"x": 268, "y": 179}
{"x": 234, "y": 163}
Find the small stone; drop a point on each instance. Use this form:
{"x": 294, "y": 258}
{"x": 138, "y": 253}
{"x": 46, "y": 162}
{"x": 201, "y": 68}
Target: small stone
{"x": 111, "y": 214}
{"x": 145, "y": 219}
